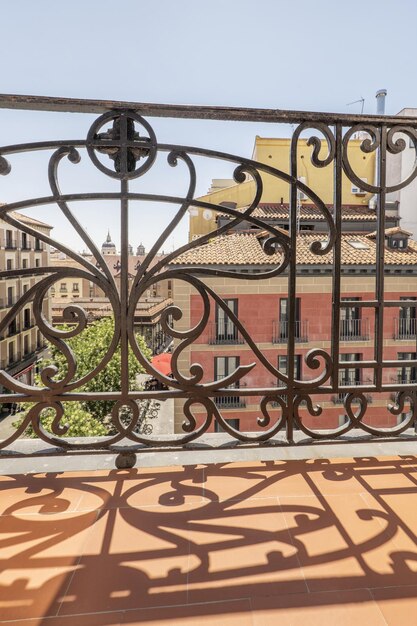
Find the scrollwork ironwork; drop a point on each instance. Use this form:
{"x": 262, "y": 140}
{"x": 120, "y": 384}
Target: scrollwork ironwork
{"x": 130, "y": 144}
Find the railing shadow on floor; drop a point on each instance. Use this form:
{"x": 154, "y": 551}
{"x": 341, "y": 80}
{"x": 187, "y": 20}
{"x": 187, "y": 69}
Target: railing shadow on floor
{"x": 109, "y": 542}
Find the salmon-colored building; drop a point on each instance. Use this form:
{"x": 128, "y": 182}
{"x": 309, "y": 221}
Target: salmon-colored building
{"x": 261, "y": 305}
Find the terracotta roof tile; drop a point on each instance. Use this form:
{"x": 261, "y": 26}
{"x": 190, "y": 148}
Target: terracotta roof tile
{"x": 310, "y": 212}
{"x": 245, "y": 249}
{"x": 395, "y": 230}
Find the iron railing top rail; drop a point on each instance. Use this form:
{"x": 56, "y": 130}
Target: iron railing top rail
{"x": 208, "y": 112}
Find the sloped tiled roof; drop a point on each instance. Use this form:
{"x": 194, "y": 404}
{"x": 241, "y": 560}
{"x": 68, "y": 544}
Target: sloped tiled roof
{"x": 245, "y": 249}
{"x": 112, "y": 262}
{"x": 310, "y": 212}
{"x": 395, "y": 230}
{"x": 25, "y": 219}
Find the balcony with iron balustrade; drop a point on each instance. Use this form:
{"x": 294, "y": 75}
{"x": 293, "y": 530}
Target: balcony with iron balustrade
{"x": 405, "y": 328}
{"x": 10, "y": 244}
{"x": 224, "y": 334}
{"x": 281, "y": 329}
{"x": 222, "y": 530}
{"x": 354, "y": 330}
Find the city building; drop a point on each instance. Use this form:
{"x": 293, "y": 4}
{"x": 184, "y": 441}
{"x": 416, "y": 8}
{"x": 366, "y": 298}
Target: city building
{"x": 21, "y": 343}
{"x": 262, "y": 308}
{"x": 400, "y": 166}
{"x": 108, "y": 246}
{"x": 91, "y": 298}
{"x": 275, "y": 152}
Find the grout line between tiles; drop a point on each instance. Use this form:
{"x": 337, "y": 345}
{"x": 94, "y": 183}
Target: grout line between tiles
{"x": 369, "y": 590}
{"x": 292, "y": 543}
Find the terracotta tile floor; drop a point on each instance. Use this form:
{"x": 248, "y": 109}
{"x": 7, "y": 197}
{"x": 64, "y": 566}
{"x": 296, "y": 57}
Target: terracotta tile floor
{"x": 293, "y": 542}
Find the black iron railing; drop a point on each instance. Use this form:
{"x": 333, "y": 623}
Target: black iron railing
{"x": 122, "y": 145}
{"x": 405, "y": 328}
{"x": 10, "y": 244}
{"x": 7, "y": 302}
{"x": 231, "y": 402}
{"x": 280, "y": 331}
{"x": 354, "y": 330}
{"x": 224, "y": 333}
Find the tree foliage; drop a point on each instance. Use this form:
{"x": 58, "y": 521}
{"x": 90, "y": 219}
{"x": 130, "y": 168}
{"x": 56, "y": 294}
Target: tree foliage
{"x": 89, "y": 419}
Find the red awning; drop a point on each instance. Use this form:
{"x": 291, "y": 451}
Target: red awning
{"x": 25, "y": 371}
{"x": 162, "y": 362}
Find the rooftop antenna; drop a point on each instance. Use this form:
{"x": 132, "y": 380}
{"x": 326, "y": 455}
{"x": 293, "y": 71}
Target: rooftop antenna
{"x": 361, "y": 99}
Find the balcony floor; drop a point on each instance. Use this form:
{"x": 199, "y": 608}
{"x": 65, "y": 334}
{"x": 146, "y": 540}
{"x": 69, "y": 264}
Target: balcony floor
{"x": 317, "y": 542}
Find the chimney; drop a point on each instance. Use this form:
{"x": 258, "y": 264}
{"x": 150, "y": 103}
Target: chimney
{"x": 380, "y": 101}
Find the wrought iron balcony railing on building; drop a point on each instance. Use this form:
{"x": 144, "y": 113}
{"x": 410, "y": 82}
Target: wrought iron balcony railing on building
{"x": 405, "y": 328}
{"x": 12, "y": 360}
{"x": 121, "y": 145}
{"x": 354, "y": 330}
{"x": 6, "y": 303}
{"x": 340, "y": 398}
{"x": 10, "y": 244}
{"x": 230, "y": 402}
{"x": 224, "y": 333}
{"x": 280, "y": 331}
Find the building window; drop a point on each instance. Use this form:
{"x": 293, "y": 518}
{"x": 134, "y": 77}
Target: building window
{"x": 284, "y": 318}
{"x": 10, "y": 242}
{"x": 38, "y": 245}
{"x": 25, "y": 242}
{"x": 233, "y": 422}
{"x": 343, "y": 419}
{"x": 350, "y": 376}
{"x": 350, "y": 321}
{"x": 26, "y": 345}
{"x": 26, "y": 318}
{"x": 37, "y": 263}
{"x": 63, "y": 287}
{"x": 224, "y": 366}
{"x": 9, "y": 264}
{"x": 283, "y": 367}
{"x": 407, "y": 375}
{"x": 226, "y": 331}
{"x": 25, "y": 288}
{"x": 24, "y": 264}
{"x": 11, "y": 352}
{"x": 407, "y": 320}
{"x": 10, "y": 296}
{"x": 75, "y": 287}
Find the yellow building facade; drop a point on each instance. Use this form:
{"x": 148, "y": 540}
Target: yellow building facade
{"x": 275, "y": 152}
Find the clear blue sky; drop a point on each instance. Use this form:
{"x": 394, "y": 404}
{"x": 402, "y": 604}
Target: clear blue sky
{"x": 307, "y": 55}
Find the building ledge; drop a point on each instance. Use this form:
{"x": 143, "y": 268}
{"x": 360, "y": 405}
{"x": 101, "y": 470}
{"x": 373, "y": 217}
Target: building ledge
{"x": 34, "y": 455}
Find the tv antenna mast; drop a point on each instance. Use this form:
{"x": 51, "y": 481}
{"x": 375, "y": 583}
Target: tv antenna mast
{"x": 361, "y": 100}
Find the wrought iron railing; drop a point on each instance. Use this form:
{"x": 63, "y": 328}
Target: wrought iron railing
{"x": 231, "y": 402}
{"x": 10, "y": 244}
{"x": 405, "y": 328}
{"x": 354, "y": 330}
{"x": 224, "y": 333}
{"x": 281, "y": 329}
{"x": 122, "y": 145}
{"x": 7, "y": 302}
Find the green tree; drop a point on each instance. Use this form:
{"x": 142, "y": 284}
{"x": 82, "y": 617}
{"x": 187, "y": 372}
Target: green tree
{"x": 89, "y": 348}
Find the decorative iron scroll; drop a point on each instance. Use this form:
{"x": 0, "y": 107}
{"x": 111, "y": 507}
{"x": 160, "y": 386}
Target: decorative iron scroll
{"x": 131, "y": 148}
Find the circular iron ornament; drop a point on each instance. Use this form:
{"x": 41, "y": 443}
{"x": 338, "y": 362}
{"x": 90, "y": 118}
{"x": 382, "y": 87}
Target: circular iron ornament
{"x": 122, "y": 144}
